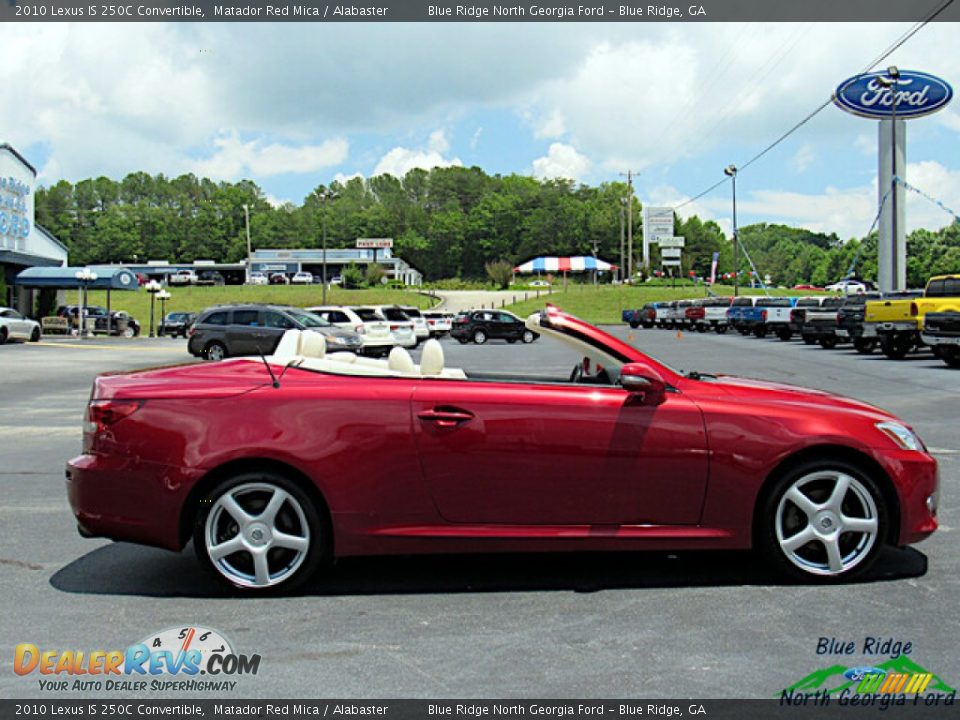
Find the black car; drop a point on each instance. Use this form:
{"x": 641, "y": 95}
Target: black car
{"x": 121, "y": 323}
{"x": 210, "y": 277}
{"x": 482, "y": 325}
{"x": 176, "y": 324}
{"x": 232, "y": 330}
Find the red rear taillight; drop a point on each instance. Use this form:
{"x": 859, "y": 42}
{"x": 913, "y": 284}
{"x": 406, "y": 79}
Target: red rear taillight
{"x": 763, "y": 316}
{"x": 102, "y": 414}
{"x": 394, "y": 327}
{"x": 191, "y": 331}
{"x": 463, "y": 320}
{"x": 914, "y": 310}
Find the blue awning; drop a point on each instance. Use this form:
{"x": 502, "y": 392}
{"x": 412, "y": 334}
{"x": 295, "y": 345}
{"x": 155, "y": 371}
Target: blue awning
{"x": 108, "y": 278}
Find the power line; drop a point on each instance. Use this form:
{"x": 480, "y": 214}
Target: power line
{"x": 896, "y": 45}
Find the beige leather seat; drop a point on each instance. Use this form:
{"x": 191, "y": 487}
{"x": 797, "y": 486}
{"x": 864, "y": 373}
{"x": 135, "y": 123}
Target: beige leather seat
{"x": 431, "y": 359}
{"x": 399, "y": 360}
{"x": 312, "y": 345}
{"x": 289, "y": 345}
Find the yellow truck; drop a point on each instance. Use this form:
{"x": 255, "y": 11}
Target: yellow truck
{"x": 899, "y": 324}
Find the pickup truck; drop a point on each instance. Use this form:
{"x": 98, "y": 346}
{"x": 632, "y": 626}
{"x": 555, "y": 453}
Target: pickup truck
{"x": 898, "y": 323}
{"x": 737, "y": 312}
{"x": 768, "y": 315}
{"x": 710, "y": 314}
{"x": 664, "y": 311}
{"x": 941, "y": 331}
{"x": 850, "y": 326}
{"x": 820, "y": 323}
{"x": 646, "y": 316}
{"x": 799, "y": 315}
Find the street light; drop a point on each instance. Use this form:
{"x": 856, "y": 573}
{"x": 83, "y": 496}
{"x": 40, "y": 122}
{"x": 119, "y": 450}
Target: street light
{"x": 162, "y": 296}
{"x": 152, "y": 287}
{"x": 84, "y": 277}
{"x": 891, "y": 82}
{"x": 326, "y": 195}
{"x": 246, "y": 215}
{"x": 731, "y": 172}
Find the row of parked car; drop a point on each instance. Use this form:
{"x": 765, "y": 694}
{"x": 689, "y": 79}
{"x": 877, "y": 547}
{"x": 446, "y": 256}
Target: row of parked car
{"x": 248, "y": 329}
{"x": 896, "y": 323}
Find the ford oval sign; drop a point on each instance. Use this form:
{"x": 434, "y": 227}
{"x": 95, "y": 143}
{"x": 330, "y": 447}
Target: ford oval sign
{"x": 917, "y": 94}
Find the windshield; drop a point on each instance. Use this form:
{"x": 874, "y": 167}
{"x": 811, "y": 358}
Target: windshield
{"x": 774, "y": 302}
{"x": 367, "y": 315}
{"x": 308, "y": 319}
{"x": 395, "y": 314}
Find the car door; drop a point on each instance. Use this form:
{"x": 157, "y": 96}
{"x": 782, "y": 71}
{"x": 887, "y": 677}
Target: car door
{"x": 244, "y": 333}
{"x": 517, "y": 453}
{"x": 275, "y": 324}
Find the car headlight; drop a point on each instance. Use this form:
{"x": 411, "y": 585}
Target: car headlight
{"x": 902, "y": 436}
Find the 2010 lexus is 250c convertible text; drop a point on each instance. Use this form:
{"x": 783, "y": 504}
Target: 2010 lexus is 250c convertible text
{"x": 274, "y": 465}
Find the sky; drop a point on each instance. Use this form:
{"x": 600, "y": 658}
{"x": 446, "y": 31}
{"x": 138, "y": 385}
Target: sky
{"x": 295, "y": 106}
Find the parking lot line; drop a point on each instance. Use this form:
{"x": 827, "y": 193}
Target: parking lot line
{"x": 98, "y": 346}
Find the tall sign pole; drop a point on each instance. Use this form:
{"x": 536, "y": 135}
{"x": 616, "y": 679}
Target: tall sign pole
{"x": 891, "y": 97}
{"x": 646, "y": 257}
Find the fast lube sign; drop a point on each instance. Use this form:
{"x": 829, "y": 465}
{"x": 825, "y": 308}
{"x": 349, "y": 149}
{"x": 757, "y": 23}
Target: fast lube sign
{"x": 891, "y": 97}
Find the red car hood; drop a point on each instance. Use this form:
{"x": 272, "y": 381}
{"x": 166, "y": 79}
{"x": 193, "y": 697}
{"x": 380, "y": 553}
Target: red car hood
{"x": 763, "y": 391}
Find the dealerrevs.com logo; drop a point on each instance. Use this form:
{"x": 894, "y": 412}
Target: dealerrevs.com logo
{"x": 185, "y": 659}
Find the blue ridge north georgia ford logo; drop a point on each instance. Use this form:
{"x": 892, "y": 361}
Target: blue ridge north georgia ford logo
{"x": 917, "y": 94}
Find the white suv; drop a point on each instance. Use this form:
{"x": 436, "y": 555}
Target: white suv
{"x": 374, "y": 330}
{"x": 182, "y": 277}
{"x": 302, "y": 278}
{"x": 401, "y": 326}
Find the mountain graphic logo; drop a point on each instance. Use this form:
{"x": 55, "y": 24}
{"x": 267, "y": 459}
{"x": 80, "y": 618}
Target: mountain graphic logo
{"x": 833, "y": 679}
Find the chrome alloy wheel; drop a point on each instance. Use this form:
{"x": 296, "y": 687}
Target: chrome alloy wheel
{"x": 256, "y": 535}
{"x": 827, "y": 522}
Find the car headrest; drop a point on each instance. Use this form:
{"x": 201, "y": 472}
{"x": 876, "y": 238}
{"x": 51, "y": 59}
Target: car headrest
{"x": 312, "y": 345}
{"x": 399, "y": 360}
{"x": 288, "y": 345}
{"x": 431, "y": 360}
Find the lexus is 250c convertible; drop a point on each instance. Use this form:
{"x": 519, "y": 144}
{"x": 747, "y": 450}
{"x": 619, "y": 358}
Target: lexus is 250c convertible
{"x": 273, "y": 465}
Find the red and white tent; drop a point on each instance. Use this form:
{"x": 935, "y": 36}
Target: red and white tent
{"x": 578, "y": 263}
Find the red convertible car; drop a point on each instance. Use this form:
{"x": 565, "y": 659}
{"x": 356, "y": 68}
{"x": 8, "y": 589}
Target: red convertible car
{"x": 273, "y": 465}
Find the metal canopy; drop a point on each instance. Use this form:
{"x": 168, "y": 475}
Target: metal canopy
{"x": 108, "y": 278}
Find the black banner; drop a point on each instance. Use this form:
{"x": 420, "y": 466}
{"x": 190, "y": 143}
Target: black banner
{"x": 859, "y": 11}
{"x": 814, "y": 706}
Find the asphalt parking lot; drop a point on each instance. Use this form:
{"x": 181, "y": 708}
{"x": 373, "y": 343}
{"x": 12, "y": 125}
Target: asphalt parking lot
{"x": 643, "y": 625}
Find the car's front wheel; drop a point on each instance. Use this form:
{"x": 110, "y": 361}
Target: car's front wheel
{"x": 824, "y": 520}
{"x": 260, "y": 531}
{"x": 215, "y": 351}
{"x": 3, "y": 335}
{"x": 35, "y": 335}
{"x": 828, "y": 342}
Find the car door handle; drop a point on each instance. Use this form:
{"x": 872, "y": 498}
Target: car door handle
{"x": 445, "y": 417}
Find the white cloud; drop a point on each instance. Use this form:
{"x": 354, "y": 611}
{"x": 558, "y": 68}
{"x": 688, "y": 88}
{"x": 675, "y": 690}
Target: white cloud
{"x": 803, "y": 158}
{"x": 235, "y": 158}
{"x": 950, "y": 119}
{"x": 561, "y": 161}
{"x": 400, "y": 160}
{"x": 475, "y": 138}
{"x": 866, "y": 143}
{"x": 344, "y": 178}
{"x": 552, "y": 126}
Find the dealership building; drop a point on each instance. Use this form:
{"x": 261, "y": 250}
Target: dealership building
{"x": 311, "y": 261}
{"x": 23, "y": 243}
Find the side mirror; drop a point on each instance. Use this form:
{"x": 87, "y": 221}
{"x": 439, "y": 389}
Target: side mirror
{"x": 643, "y": 383}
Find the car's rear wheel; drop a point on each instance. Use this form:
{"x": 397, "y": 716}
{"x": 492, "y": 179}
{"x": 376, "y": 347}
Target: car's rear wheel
{"x": 35, "y": 335}
{"x": 865, "y": 346}
{"x": 824, "y": 520}
{"x": 896, "y": 347}
{"x": 528, "y": 337}
{"x": 720, "y": 329}
{"x": 634, "y": 324}
{"x": 463, "y": 340}
{"x": 828, "y": 342}
{"x": 950, "y": 355}
{"x": 809, "y": 339}
{"x": 785, "y": 334}
{"x": 701, "y": 328}
{"x": 215, "y": 351}
{"x": 479, "y": 337}
{"x": 760, "y": 332}
{"x": 260, "y": 531}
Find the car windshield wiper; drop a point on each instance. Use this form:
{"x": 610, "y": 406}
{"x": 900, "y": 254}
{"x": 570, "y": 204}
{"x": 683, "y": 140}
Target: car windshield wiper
{"x": 694, "y": 375}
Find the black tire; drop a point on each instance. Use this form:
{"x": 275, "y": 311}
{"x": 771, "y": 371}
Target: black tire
{"x": 720, "y": 329}
{"x": 766, "y": 538}
{"x": 648, "y": 325}
{"x": 896, "y": 347}
{"x": 809, "y": 339}
{"x": 785, "y": 334}
{"x": 528, "y": 336}
{"x": 760, "y": 331}
{"x": 512, "y": 341}
{"x": 634, "y": 324}
{"x": 215, "y": 351}
{"x": 252, "y": 499}
{"x": 743, "y": 331}
{"x": 3, "y": 335}
{"x": 479, "y": 337}
{"x": 35, "y": 335}
{"x": 463, "y": 340}
{"x": 701, "y": 328}
{"x": 828, "y": 342}
{"x": 865, "y": 346}
{"x": 950, "y": 355}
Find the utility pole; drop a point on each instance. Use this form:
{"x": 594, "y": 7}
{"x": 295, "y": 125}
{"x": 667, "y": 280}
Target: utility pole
{"x": 246, "y": 215}
{"x": 325, "y": 196}
{"x": 623, "y": 211}
{"x": 731, "y": 172}
{"x": 595, "y": 272}
{"x": 629, "y": 176}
